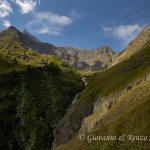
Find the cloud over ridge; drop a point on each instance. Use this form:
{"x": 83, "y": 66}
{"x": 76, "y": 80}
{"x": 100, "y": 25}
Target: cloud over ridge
{"x": 123, "y": 32}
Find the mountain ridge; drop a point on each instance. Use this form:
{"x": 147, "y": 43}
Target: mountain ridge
{"x": 113, "y": 102}
{"x": 35, "y": 91}
{"x": 135, "y": 45}
{"x": 97, "y": 59}
{"x": 45, "y": 104}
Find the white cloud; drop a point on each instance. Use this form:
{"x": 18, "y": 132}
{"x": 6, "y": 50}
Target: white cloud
{"x": 6, "y": 23}
{"x": 5, "y": 9}
{"x": 125, "y": 33}
{"x": 48, "y": 23}
{"x": 27, "y": 6}
{"x": 76, "y": 15}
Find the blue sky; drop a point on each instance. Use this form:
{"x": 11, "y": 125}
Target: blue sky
{"x": 79, "y": 23}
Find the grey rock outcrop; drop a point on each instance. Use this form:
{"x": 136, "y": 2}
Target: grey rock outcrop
{"x": 103, "y": 104}
{"x": 97, "y": 59}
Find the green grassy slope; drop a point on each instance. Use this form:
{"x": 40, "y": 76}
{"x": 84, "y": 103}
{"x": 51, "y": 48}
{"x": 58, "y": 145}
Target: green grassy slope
{"x": 35, "y": 91}
{"x": 107, "y": 83}
{"x": 14, "y": 55}
{"x": 134, "y": 45}
{"x": 119, "y": 76}
{"x": 135, "y": 121}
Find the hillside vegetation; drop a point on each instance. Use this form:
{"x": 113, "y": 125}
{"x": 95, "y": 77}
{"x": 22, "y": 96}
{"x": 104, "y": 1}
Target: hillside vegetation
{"x": 35, "y": 91}
{"x": 105, "y": 95}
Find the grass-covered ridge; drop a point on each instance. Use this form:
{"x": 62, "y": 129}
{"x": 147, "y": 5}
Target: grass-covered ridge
{"x": 119, "y": 76}
{"x": 106, "y": 84}
{"x": 16, "y": 56}
{"x": 135, "y": 122}
{"x": 35, "y": 91}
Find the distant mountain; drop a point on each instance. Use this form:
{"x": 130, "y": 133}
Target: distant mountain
{"x": 97, "y": 59}
{"x": 94, "y": 60}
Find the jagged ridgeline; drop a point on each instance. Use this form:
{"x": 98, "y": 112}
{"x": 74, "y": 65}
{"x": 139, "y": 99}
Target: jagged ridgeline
{"x": 94, "y": 60}
{"x": 35, "y": 91}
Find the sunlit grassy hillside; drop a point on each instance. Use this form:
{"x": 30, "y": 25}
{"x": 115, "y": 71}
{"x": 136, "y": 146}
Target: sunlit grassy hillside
{"x": 116, "y": 119}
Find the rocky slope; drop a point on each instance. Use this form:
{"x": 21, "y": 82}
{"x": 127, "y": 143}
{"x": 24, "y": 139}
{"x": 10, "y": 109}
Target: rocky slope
{"x": 111, "y": 105}
{"x": 94, "y": 60}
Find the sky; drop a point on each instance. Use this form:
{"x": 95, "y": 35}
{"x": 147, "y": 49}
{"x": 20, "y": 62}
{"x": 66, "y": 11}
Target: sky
{"x": 83, "y": 24}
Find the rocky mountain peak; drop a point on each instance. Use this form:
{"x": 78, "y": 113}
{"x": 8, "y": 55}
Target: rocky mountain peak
{"x": 11, "y": 31}
{"x": 12, "y": 28}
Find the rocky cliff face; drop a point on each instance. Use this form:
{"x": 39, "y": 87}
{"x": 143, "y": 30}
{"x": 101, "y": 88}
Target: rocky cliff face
{"x": 94, "y": 60}
{"x": 97, "y": 59}
{"x": 103, "y": 104}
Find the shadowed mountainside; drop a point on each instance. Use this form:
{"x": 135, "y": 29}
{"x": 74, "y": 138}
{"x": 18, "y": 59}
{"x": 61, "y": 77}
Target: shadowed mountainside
{"x": 35, "y": 91}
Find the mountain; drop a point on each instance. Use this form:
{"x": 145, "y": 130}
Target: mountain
{"x": 35, "y": 92}
{"x": 94, "y": 60}
{"x": 14, "y": 54}
{"x": 45, "y": 105}
{"x": 115, "y": 103}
